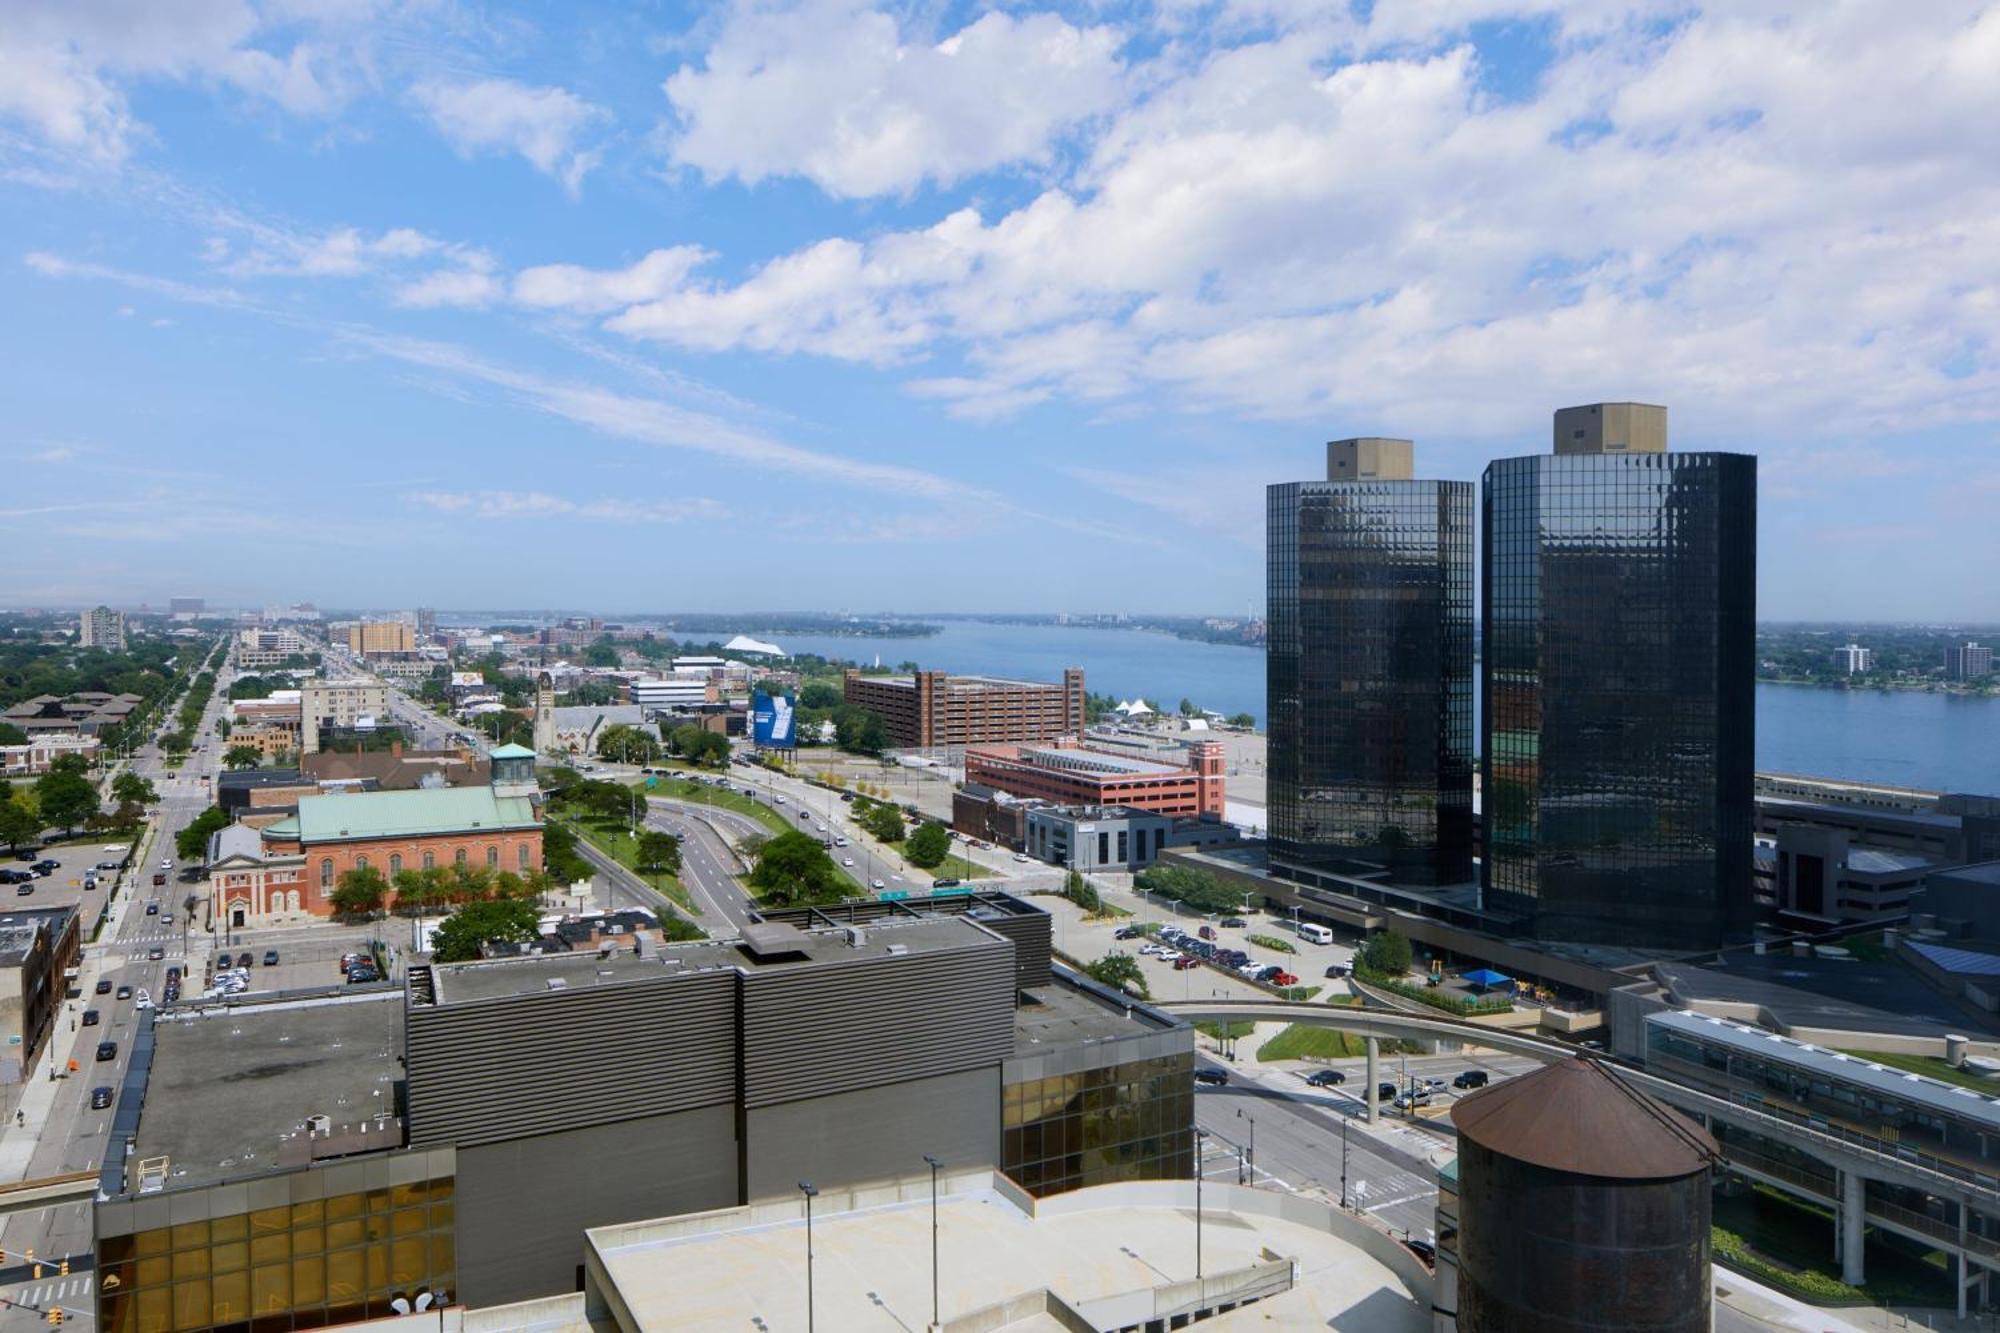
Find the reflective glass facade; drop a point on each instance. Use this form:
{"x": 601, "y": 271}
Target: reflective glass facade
{"x": 1130, "y": 1121}
{"x": 198, "y": 1260}
{"x": 1370, "y": 677}
{"x": 1619, "y": 604}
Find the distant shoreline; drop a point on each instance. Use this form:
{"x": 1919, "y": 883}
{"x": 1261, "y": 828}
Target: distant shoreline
{"x": 1886, "y": 687}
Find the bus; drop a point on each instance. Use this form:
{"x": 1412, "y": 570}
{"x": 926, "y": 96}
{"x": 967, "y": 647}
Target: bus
{"x": 1314, "y": 933}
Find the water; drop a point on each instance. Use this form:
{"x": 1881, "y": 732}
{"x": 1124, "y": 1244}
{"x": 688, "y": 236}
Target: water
{"x": 1938, "y": 741}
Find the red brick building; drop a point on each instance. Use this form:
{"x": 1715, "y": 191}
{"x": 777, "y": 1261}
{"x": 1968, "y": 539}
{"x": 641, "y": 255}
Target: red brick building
{"x": 1068, "y": 773}
{"x": 936, "y": 708}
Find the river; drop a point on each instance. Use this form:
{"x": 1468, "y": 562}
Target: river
{"x": 1943, "y": 742}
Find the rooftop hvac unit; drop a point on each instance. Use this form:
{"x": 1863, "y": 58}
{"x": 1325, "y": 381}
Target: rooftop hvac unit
{"x": 319, "y": 1126}
{"x": 855, "y": 936}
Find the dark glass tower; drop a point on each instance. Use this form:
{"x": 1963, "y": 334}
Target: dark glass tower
{"x": 1370, "y": 669}
{"x": 1619, "y": 601}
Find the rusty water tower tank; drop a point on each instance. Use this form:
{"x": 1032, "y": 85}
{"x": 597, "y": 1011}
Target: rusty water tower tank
{"x": 1583, "y": 1203}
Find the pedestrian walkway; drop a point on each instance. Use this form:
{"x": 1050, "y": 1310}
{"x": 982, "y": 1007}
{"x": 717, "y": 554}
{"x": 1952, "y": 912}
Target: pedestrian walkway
{"x": 1774, "y": 1309}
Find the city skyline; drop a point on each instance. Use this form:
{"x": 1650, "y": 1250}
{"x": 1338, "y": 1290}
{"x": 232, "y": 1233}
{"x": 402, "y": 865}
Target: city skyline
{"x": 754, "y": 304}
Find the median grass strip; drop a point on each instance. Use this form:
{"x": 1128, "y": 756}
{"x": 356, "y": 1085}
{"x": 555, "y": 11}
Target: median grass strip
{"x": 613, "y": 839}
{"x": 1304, "y": 1041}
{"x": 1232, "y": 1030}
{"x": 1271, "y": 942}
{"x": 698, "y": 793}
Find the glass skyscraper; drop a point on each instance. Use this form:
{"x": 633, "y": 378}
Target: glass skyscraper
{"x": 1618, "y": 602}
{"x": 1370, "y": 669}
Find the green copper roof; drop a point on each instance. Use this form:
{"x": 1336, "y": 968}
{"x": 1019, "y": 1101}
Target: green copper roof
{"x": 405, "y": 814}
{"x": 511, "y": 751}
{"x": 288, "y": 827}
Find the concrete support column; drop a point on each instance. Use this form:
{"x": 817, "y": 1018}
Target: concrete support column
{"x": 1368, "y": 1092}
{"x": 1853, "y": 1220}
{"x": 1963, "y": 1276}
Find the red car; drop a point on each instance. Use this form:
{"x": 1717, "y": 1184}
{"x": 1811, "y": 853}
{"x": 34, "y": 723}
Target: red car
{"x": 1183, "y": 963}
{"x": 1284, "y": 979}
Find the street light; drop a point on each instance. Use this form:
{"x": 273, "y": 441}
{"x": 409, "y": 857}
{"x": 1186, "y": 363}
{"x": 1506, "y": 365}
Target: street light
{"x": 933, "y": 1164}
{"x": 1243, "y": 1115}
{"x": 811, "y": 1192}
{"x": 1200, "y": 1148}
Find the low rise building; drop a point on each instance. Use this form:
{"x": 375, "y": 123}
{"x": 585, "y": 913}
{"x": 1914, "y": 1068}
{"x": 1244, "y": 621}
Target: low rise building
{"x": 337, "y": 705}
{"x": 260, "y": 649}
{"x": 39, "y": 948}
{"x": 937, "y": 709}
{"x": 41, "y": 751}
{"x": 1821, "y": 877}
{"x": 1101, "y": 837}
{"x": 1068, "y": 773}
{"x": 85, "y": 713}
{"x": 677, "y": 691}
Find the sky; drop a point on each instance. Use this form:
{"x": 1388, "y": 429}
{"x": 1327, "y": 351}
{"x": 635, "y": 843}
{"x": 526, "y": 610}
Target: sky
{"x": 949, "y": 307}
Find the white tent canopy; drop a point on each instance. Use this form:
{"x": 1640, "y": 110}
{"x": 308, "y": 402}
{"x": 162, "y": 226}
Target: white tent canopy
{"x": 744, "y": 644}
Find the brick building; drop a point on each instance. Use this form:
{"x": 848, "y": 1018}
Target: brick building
{"x": 1068, "y": 773}
{"x": 936, "y": 708}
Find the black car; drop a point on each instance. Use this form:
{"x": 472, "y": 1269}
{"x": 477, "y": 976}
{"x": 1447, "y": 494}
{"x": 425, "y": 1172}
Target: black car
{"x": 90, "y": 1018}
{"x": 222, "y": 961}
{"x": 1334, "y": 971}
{"x": 944, "y": 883}
{"x": 124, "y": 992}
{"x": 107, "y": 1050}
{"x": 174, "y": 973}
{"x": 100, "y": 1098}
{"x": 1471, "y": 1078}
{"x": 1233, "y": 922}
{"x": 1325, "y": 1078}
{"x": 152, "y": 909}
{"x": 1127, "y": 933}
{"x": 27, "y": 854}
{"x": 24, "y": 890}
{"x": 1424, "y": 1250}
{"x": 104, "y": 985}
{"x": 46, "y": 868}
{"x": 270, "y": 958}
{"x": 1212, "y": 1076}
{"x": 1385, "y": 1092}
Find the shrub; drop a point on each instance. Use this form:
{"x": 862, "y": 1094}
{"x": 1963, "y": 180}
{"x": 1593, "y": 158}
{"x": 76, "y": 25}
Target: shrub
{"x": 1273, "y": 943}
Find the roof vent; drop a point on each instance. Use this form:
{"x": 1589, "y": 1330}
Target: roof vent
{"x": 855, "y": 936}
{"x": 319, "y": 1125}
{"x": 898, "y": 950}
{"x": 557, "y": 983}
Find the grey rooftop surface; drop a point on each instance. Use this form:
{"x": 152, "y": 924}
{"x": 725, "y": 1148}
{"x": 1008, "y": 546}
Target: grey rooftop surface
{"x": 459, "y": 983}
{"x": 1827, "y": 993}
{"x": 232, "y": 1086}
{"x": 1065, "y": 1013}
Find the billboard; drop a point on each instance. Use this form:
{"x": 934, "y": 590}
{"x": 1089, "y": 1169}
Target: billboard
{"x": 771, "y": 722}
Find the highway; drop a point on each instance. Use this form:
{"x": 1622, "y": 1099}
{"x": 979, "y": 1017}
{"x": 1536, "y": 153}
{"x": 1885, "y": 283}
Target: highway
{"x": 61, "y": 1133}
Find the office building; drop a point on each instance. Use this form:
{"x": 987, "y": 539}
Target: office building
{"x": 101, "y": 627}
{"x": 678, "y": 691}
{"x": 40, "y": 752}
{"x": 85, "y": 713}
{"x": 1369, "y": 668}
{"x": 370, "y": 637}
{"x": 427, "y": 624}
{"x": 257, "y": 649}
{"x": 1967, "y": 661}
{"x": 1619, "y": 615}
{"x": 1821, "y": 878}
{"x": 338, "y": 705}
{"x": 1070, "y": 773}
{"x": 453, "y": 1138}
{"x": 935, "y": 708}
{"x": 1113, "y": 837}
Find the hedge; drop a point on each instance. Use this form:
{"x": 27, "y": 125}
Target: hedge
{"x": 1272, "y": 942}
{"x": 1436, "y": 999}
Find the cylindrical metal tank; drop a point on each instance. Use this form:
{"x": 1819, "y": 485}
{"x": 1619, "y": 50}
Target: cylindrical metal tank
{"x": 1583, "y": 1204}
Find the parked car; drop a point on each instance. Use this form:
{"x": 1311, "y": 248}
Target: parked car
{"x": 90, "y": 1018}
{"x": 946, "y": 883}
{"x": 107, "y": 1050}
{"x": 1183, "y": 964}
{"x": 270, "y": 958}
{"x": 1127, "y": 933}
{"x": 1410, "y": 1101}
{"x": 1325, "y": 1078}
{"x": 1207, "y": 932}
{"x": 100, "y": 1098}
{"x": 45, "y": 868}
{"x": 224, "y": 961}
{"x": 23, "y": 890}
{"x": 1423, "y": 1249}
{"x": 1385, "y": 1092}
{"x": 104, "y": 985}
{"x": 1284, "y": 978}
{"x": 1211, "y": 1076}
{"x": 1234, "y": 922}
{"x": 1471, "y": 1078}
{"x": 1334, "y": 971}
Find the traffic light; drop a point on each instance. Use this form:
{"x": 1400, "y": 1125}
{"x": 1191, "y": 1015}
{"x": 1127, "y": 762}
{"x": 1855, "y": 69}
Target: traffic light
{"x": 55, "y": 1314}
{"x": 64, "y": 1270}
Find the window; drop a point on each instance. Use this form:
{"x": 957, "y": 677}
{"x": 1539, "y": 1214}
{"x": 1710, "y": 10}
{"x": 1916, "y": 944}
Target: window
{"x": 492, "y": 856}
{"x": 523, "y": 855}
{"x": 395, "y": 863}
{"x": 430, "y": 861}
{"x": 326, "y": 874}
{"x": 360, "y": 863}
{"x": 459, "y": 856}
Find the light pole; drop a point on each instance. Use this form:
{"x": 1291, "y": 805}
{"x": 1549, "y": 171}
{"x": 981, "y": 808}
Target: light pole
{"x": 807, "y": 1188}
{"x": 933, "y": 1164}
{"x": 1343, "y": 1159}
{"x": 1200, "y": 1148}
{"x": 1241, "y": 1114}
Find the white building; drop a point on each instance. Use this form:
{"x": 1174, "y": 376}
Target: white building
{"x": 101, "y": 627}
{"x": 34, "y": 758}
{"x": 677, "y": 691}
{"x": 258, "y": 648}
{"x": 1854, "y": 660}
{"x": 337, "y": 704}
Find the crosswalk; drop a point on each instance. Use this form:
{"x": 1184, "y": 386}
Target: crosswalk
{"x": 77, "y": 1289}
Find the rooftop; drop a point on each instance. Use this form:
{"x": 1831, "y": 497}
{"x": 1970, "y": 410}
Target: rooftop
{"x": 404, "y": 814}
{"x": 1934, "y": 1094}
{"x": 460, "y": 983}
{"x": 1871, "y": 862}
{"x": 1072, "y": 1010}
{"x": 1078, "y": 758}
{"x": 1105, "y": 1252}
{"x": 1824, "y": 993}
{"x": 232, "y": 1085}
{"x": 958, "y": 682}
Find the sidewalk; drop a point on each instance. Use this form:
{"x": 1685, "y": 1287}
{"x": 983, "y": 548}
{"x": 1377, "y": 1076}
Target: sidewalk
{"x": 1774, "y": 1309}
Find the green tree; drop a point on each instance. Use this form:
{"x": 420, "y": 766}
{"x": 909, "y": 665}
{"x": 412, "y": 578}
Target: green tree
{"x": 12, "y": 735}
{"x": 242, "y": 756}
{"x": 659, "y": 852}
{"x": 1081, "y": 892}
{"x": 192, "y": 842}
{"x": 1247, "y": 722}
{"x": 359, "y": 892}
{"x": 1120, "y": 971}
{"x": 506, "y": 920}
{"x": 1189, "y": 709}
{"x": 793, "y": 870}
{"x": 859, "y": 731}
{"x": 130, "y": 786}
{"x": 415, "y": 892}
{"x": 928, "y": 846}
{"x": 622, "y": 744}
{"x": 559, "y": 854}
{"x": 885, "y": 822}
{"x": 821, "y": 696}
{"x": 65, "y": 798}
{"x": 18, "y": 824}
{"x": 1385, "y": 953}
{"x": 603, "y": 653}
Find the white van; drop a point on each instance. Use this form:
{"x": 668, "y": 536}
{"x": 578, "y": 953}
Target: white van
{"x": 1315, "y": 934}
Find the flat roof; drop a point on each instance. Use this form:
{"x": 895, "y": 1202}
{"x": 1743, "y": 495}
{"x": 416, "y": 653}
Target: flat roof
{"x": 459, "y": 983}
{"x": 1935, "y": 1094}
{"x": 956, "y": 681}
{"x": 1074, "y": 758}
{"x": 1067, "y": 1012}
{"x": 232, "y": 1085}
{"x": 743, "y": 1268}
{"x": 1827, "y": 993}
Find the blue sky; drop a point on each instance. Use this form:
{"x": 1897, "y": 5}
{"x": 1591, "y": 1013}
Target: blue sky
{"x": 955, "y": 307}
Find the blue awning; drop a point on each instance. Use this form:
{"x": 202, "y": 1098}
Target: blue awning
{"x": 1486, "y": 976}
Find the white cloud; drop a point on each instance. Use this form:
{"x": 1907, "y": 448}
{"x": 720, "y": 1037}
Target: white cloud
{"x": 570, "y": 287}
{"x": 539, "y": 504}
{"x": 543, "y": 125}
{"x": 831, "y": 90}
{"x": 460, "y": 287}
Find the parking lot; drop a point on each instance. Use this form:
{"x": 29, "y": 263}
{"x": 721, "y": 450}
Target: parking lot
{"x": 63, "y": 886}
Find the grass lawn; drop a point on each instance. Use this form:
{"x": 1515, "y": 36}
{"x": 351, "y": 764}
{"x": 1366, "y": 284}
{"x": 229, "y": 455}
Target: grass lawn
{"x": 696, "y": 793}
{"x": 1932, "y": 1066}
{"x": 1867, "y": 948}
{"x": 956, "y": 867}
{"x": 1236, "y": 1028}
{"x": 1791, "y": 1243}
{"x": 1303, "y": 1041}
{"x": 611, "y": 838}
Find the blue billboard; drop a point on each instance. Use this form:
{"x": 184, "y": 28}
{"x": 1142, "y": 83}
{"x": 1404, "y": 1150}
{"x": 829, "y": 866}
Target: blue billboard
{"x": 771, "y": 722}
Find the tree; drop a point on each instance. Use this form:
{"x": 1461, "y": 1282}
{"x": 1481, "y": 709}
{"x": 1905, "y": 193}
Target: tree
{"x": 928, "y": 846}
{"x": 751, "y": 845}
{"x": 413, "y": 891}
{"x": 242, "y": 756}
{"x": 820, "y": 696}
{"x": 565, "y": 864}
{"x": 1188, "y": 708}
{"x": 698, "y": 745}
{"x": 603, "y": 653}
{"x": 18, "y": 824}
{"x": 129, "y": 786}
{"x": 1081, "y": 892}
{"x": 12, "y": 735}
{"x": 192, "y": 842}
{"x": 507, "y": 920}
{"x": 1249, "y": 723}
{"x": 65, "y": 798}
{"x": 793, "y": 870}
{"x": 659, "y": 853}
{"x": 622, "y": 744}
{"x": 359, "y": 892}
{"x": 1120, "y": 971}
{"x": 885, "y": 822}
{"x": 1386, "y": 953}
{"x": 859, "y": 731}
